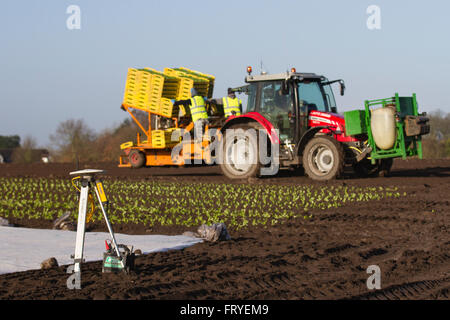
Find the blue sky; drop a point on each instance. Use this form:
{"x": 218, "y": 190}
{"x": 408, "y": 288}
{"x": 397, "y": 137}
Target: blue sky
{"x": 51, "y": 74}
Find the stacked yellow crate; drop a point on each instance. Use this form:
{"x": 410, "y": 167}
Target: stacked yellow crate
{"x": 152, "y": 90}
{"x": 191, "y": 80}
{"x": 203, "y": 76}
{"x": 184, "y": 91}
{"x": 171, "y": 84}
{"x": 143, "y": 89}
{"x": 131, "y": 86}
{"x": 169, "y": 91}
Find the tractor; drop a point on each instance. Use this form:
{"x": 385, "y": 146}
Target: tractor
{"x": 310, "y": 134}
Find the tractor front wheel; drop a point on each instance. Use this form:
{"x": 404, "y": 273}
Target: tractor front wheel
{"x": 239, "y": 153}
{"x": 136, "y": 159}
{"x": 323, "y": 158}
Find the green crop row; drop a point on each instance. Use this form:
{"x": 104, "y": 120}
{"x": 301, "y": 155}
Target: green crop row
{"x": 172, "y": 203}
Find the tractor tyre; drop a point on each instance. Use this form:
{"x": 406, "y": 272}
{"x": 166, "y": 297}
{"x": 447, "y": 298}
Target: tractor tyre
{"x": 239, "y": 153}
{"x": 323, "y": 158}
{"x": 136, "y": 158}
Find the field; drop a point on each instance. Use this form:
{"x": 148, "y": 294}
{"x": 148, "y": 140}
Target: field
{"x": 291, "y": 238}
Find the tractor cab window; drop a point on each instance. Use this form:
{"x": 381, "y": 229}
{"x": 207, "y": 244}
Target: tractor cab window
{"x": 251, "y": 100}
{"x": 311, "y": 97}
{"x": 276, "y": 107}
{"x": 330, "y": 97}
{"x": 273, "y": 100}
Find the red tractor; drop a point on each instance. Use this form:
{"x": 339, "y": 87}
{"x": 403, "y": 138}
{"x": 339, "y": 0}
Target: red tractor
{"x": 297, "y": 112}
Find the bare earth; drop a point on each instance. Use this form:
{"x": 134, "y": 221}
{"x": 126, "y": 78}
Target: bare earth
{"x": 325, "y": 257}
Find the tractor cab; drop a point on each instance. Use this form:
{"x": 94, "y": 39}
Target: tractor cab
{"x": 293, "y": 103}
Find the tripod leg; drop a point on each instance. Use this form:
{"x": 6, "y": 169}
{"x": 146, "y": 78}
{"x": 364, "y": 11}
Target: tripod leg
{"x": 79, "y": 245}
{"x": 101, "y": 196}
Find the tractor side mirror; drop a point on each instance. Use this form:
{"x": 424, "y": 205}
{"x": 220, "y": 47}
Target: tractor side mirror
{"x": 342, "y": 84}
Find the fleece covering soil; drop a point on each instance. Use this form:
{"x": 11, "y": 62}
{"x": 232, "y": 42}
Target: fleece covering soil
{"x": 325, "y": 257}
{"x": 21, "y": 254}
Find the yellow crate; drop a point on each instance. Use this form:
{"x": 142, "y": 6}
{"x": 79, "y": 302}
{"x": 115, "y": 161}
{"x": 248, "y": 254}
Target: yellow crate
{"x": 208, "y": 92}
{"x": 174, "y": 133}
{"x": 167, "y": 109}
{"x": 201, "y": 82}
{"x": 171, "y": 72}
{"x": 158, "y": 138}
{"x": 142, "y": 88}
{"x": 162, "y": 139}
{"x": 153, "y": 71}
{"x": 152, "y": 90}
{"x": 126, "y": 145}
{"x": 185, "y": 88}
{"x": 153, "y": 107}
{"x": 196, "y": 72}
{"x": 171, "y": 88}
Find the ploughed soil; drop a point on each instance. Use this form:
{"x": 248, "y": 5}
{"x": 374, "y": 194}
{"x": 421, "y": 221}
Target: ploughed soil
{"x": 325, "y": 257}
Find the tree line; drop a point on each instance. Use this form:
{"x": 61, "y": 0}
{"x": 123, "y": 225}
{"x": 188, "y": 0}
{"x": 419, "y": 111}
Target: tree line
{"x": 73, "y": 140}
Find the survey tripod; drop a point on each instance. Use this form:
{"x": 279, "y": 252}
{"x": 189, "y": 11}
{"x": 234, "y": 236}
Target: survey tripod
{"x": 88, "y": 179}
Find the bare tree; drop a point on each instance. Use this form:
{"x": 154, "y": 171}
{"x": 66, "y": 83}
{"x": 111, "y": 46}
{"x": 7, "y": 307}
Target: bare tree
{"x": 74, "y": 140}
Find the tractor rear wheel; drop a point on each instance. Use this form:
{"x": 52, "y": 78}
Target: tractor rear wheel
{"x": 136, "y": 159}
{"x": 240, "y": 153}
{"x": 323, "y": 158}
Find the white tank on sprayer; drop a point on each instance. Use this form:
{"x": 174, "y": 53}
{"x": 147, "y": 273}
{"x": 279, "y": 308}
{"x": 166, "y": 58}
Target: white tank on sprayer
{"x": 383, "y": 127}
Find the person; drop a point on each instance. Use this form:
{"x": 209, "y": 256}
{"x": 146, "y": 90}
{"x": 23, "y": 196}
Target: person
{"x": 199, "y": 116}
{"x": 232, "y": 106}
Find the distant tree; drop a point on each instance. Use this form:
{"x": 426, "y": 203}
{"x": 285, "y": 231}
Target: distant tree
{"x": 439, "y": 122}
{"x": 436, "y": 144}
{"x": 74, "y": 140}
{"x": 9, "y": 142}
{"x": 109, "y": 141}
{"x": 26, "y": 152}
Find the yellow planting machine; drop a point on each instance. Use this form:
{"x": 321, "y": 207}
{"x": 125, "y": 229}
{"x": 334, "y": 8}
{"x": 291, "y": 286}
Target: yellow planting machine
{"x": 152, "y": 94}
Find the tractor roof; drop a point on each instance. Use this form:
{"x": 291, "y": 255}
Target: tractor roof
{"x": 283, "y": 76}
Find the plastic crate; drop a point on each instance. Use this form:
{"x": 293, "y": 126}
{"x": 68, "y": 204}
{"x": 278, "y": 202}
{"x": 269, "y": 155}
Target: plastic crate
{"x": 192, "y": 80}
{"x": 185, "y": 88}
{"x": 163, "y": 138}
{"x": 167, "y": 108}
{"x": 173, "y": 135}
{"x": 200, "y": 77}
{"x": 152, "y": 90}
